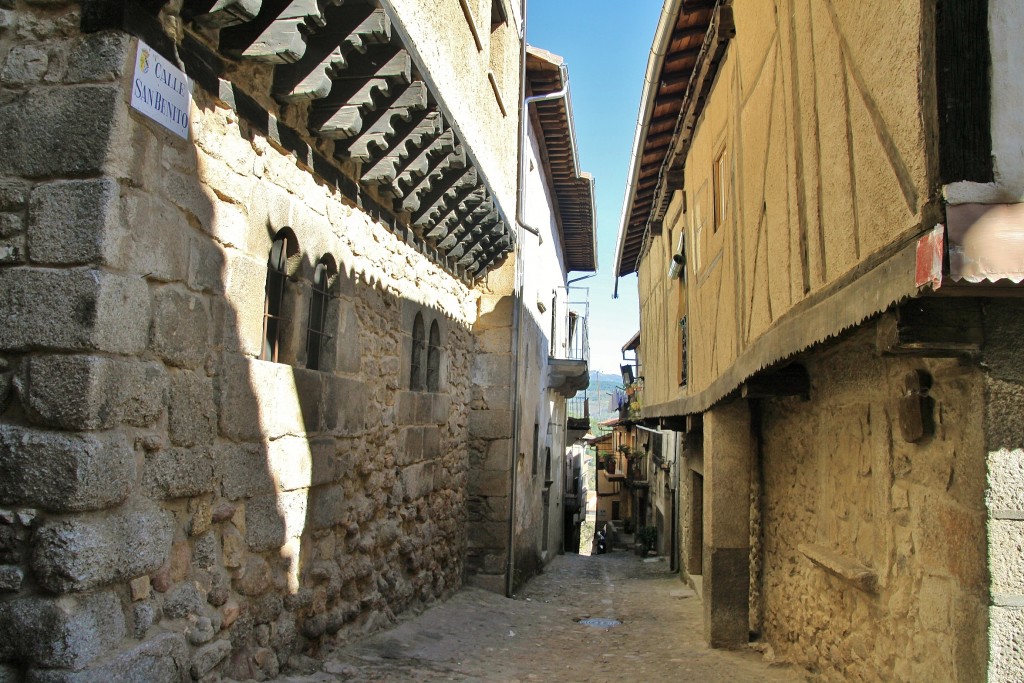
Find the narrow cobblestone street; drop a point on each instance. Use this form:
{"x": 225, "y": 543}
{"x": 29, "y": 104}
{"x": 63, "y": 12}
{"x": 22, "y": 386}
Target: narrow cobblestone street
{"x": 480, "y": 636}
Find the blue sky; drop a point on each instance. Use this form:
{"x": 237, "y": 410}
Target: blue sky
{"x": 605, "y": 45}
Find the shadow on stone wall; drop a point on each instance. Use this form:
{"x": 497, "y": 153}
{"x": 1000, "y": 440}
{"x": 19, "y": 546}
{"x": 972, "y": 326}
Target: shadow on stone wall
{"x": 173, "y": 505}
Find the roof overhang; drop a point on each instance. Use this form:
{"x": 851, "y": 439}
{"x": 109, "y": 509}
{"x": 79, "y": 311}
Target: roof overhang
{"x": 633, "y": 344}
{"x": 572, "y": 190}
{"x": 689, "y": 43}
{"x": 361, "y": 90}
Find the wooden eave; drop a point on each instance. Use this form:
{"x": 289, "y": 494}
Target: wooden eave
{"x": 573, "y": 191}
{"x": 633, "y": 344}
{"x": 391, "y": 145}
{"x": 695, "y": 47}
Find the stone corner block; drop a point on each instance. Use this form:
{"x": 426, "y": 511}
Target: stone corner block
{"x": 90, "y": 392}
{"x": 490, "y": 424}
{"x": 244, "y": 471}
{"x": 161, "y": 659}
{"x": 73, "y": 310}
{"x": 181, "y": 328}
{"x": 82, "y": 552}
{"x": 492, "y": 370}
{"x": 61, "y": 633}
{"x": 326, "y": 507}
{"x": 59, "y": 131}
{"x": 265, "y": 524}
{"x": 64, "y": 472}
{"x": 69, "y": 221}
{"x": 209, "y": 656}
{"x": 99, "y": 57}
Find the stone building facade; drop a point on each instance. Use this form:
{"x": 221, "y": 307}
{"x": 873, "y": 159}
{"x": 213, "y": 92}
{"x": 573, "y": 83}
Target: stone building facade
{"x": 826, "y": 232}
{"x": 533, "y": 351}
{"x": 239, "y": 369}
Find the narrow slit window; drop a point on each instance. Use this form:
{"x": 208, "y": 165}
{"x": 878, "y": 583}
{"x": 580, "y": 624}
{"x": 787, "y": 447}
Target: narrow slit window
{"x": 682, "y": 351}
{"x": 416, "y": 365}
{"x": 434, "y": 358}
{"x": 721, "y": 188}
{"x": 274, "y": 318}
{"x": 316, "y": 332}
{"x": 536, "y": 447}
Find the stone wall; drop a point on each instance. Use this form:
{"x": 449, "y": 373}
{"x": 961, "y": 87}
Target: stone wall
{"x": 490, "y": 428}
{"x": 1004, "y": 448}
{"x": 171, "y": 505}
{"x": 493, "y": 453}
{"x": 874, "y": 557}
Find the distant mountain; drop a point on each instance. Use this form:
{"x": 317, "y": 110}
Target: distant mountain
{"x": 606, "y": 379}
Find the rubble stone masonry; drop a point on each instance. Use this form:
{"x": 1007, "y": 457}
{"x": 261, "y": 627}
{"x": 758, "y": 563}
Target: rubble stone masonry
{"x": 170, "y": 505}
{"x": 874, "y": 547}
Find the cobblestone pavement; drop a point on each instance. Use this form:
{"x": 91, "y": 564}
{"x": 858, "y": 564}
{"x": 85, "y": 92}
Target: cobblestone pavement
{"x": 480, "y": 636}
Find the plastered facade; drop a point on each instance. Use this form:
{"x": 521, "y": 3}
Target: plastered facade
{"x": 528, "y": 454}
{"x": 870, "y": 551}
{"x": 813, "y": 128}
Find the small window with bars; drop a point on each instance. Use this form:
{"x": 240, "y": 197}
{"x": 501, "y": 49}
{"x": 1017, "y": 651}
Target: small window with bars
{"x": 416, "y": 366}
{"x": 434, "y": 358}
{"x": 317, "y": 336}
{"x": 275, "y": 313}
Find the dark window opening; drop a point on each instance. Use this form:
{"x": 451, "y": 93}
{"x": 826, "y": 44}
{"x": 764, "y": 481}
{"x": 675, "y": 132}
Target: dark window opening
{"x": 720, "y": 188}
{"x": 418, "y": 343}
{"x": 964, "y": 90}
{"x": 498, "y": 14}
{"x": 695, "y": 546}
{"x": 682, "y": 351}
{"x": 536, "y": 447}
{"x": 316, "y": 332}
{"x": 275, "y": 319}
{"x": 434, "y": 358}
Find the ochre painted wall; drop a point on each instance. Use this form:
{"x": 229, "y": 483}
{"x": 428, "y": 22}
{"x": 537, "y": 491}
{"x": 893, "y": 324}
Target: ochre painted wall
{"x": 819, "y": 114}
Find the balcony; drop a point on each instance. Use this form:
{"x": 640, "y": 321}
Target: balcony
{"x": 568, "y": 361}
{"x": 637, "y": 472}
{"x": 577, "y": 421}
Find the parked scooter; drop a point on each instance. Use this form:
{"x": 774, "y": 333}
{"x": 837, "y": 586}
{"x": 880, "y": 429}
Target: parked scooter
{"x": 600, "y": 541}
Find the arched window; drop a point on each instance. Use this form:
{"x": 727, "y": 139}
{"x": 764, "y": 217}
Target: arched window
{"x": 418, "y": 344}
{"x": 434, "y": 358}
{"x": 275, "y": 319}
{"x": 317, "y": 336}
